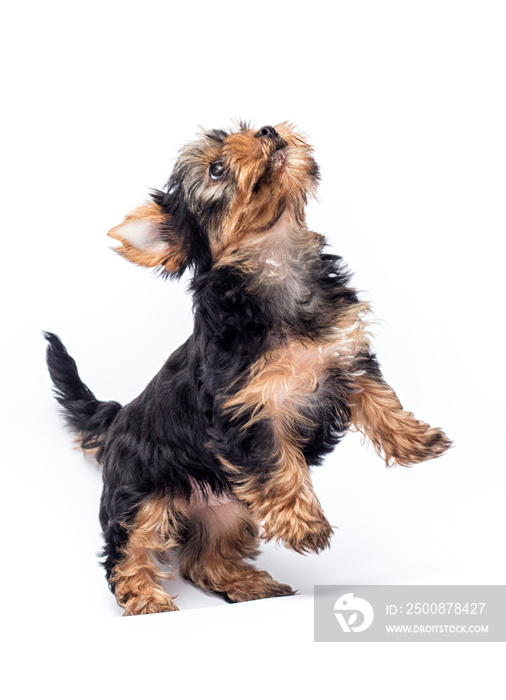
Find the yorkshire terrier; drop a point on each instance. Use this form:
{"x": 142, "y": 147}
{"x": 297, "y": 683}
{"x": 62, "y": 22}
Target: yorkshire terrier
{"x": 278, "y": 368}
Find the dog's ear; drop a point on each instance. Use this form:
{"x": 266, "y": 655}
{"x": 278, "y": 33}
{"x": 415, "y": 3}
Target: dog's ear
{"x": 147, "y": 239}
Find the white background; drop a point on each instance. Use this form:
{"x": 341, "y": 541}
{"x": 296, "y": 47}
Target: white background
{"x": 405, "y": 105}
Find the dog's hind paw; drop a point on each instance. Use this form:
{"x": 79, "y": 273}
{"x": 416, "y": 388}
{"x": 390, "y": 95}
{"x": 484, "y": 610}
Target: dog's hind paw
{"x": 256, "y": 585}
{"x": 140, "y": 606}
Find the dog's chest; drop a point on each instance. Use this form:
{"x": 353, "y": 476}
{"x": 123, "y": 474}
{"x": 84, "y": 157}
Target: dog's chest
{"x": 295, "y": 370}
{"x": 288, "y": 380}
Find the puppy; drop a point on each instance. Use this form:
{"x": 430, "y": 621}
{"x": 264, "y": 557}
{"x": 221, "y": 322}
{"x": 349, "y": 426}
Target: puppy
{"x": 277, "y": 369}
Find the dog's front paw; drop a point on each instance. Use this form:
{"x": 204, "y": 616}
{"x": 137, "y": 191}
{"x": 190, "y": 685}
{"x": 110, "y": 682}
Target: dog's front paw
{"x": 421, "y": 443}
{"x": 307, "y": 532}
{"x": 311, "y": 536}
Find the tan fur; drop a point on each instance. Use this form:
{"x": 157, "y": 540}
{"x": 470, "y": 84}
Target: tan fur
{"x": 395, "y": 433}
{"x": 267, "y": 255}
{"x": 286, "y": 502}
{"x": 246, "y": 157}
{"x": 137, "y": 579}
{"x": 78, "y": 445}
{"x": 281, "y": 384}
{"x": 285, "y": 379}
{"x": 215, "y": 534}
{"x": 170, "y": 257}
{"x": 219, "y": 539}
{"x": 262, "y": 233}
{"x": 254, "y": 213}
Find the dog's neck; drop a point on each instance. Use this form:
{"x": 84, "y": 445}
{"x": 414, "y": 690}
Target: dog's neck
{"x": 280, "y": 258}
{"x": 271, "y": 256}
{"x": 273, "y": 272}
{"x": 278, "y": 266}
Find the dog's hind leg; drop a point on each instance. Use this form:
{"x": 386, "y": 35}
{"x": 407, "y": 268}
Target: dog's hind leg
{"x": 395, "y": 433}
{"x": 133, "y": 576}
{"x": 219, "y": 538}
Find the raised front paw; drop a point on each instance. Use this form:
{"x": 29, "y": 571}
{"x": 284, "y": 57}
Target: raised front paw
{"x": 302, "y": 532}
{"x": 418, "y": 444}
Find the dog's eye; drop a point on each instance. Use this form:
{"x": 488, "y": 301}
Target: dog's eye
{"x": 216, "y": 170}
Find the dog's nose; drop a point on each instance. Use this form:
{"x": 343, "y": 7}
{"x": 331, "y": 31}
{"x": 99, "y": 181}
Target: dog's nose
{"x": 267, "y": 132}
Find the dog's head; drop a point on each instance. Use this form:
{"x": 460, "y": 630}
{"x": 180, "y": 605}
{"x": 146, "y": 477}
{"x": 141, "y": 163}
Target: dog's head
{"x": 225, "y": 189}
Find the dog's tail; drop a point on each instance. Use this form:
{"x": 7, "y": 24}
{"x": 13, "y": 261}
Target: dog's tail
{"x": 83, "y": 412}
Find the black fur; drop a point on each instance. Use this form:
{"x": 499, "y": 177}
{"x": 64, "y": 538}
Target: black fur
{"x": 160, "y": 441}
{"x": 168, "y": 439}
{"x": 81, "y": 409}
